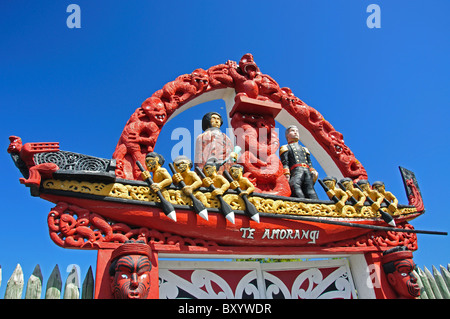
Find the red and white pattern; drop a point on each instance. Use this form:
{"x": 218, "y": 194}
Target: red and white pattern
{"x": 329, "y": 279}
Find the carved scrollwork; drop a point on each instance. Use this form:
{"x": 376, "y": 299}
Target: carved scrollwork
{"x": 246, "y": 78}
{"x": 206, "y": 284}
{"x": 72, "y": 226}
{"x": 311, "y": 284}
{"x": 73, "y": 161}
{"x": 262, "y": 204}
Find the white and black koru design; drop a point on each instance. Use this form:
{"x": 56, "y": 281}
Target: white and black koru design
{"x": 307, "y": 280}
{"x": 69, "y": 162}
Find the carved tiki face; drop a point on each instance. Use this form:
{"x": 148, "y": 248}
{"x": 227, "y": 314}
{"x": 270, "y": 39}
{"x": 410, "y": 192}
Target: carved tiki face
{"x": 398, "y": 266}
{"x": 130, "y": 273}
{"x": 154, "y": 108}
{"x": 200, "y": 79}
{"x": 248, "y": 65}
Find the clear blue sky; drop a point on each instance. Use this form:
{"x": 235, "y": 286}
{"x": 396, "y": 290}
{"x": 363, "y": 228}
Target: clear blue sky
{"x": 386, "y": 90}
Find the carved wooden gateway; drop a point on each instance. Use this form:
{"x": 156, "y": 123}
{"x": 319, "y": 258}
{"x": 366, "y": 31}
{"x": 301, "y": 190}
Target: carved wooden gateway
{"x": 241, "y": 197}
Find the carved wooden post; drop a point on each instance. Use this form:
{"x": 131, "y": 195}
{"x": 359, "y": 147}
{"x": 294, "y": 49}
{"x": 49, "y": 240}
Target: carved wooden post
{"x": 88, "y": 285}
{"x": 14, "y": 286}
{"x": 54, "y": 284}
{"x": 34, "y": 284}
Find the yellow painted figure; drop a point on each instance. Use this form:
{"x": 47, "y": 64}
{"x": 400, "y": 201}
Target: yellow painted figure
{"x": 220, "y": 183}
{"x": 340, "y": 194}
{"x": 161, "y": 177}
{"x": 354, "y": 192}
{"x": 183, "y": 167}
{"x": 393, "y": 202}
{"x": 240, "y": 181}
{"x": 372, "y": 194}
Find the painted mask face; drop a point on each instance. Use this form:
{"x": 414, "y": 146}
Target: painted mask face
{"x": 330, "y": 184}
{"x": 402, "y": 279}
{"x": 365, "y": 187}
{"x": 132, "y": 277}
{"x": 152, "y": 163}
{"x": 209, "y": 170}
{"x": 235, "y": 172}
{"x": 182, "y": 166}
{"x": 348, "y": 185}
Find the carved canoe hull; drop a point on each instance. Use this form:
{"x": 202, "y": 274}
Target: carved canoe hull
{"x": 272, "y": 230}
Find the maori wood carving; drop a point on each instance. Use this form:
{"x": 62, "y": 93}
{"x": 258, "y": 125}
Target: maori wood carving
{"x": 260, "y": 159}
{"x": 130, "y": 271}
{"x": 71, "y": 226}
{"x": 100, "y": 204}
{"x": 141, "y": 132}
{"x": 398, "y": 267}
{"x": 317, "y": 282}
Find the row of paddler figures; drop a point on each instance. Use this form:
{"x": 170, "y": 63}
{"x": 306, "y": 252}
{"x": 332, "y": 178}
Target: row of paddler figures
{"x": 342, "y": 193}
{"x": 345, "y": 191}
{"x": 191, "y": 180}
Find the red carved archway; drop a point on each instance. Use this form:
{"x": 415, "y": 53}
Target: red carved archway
{"x": 224, "y": 81}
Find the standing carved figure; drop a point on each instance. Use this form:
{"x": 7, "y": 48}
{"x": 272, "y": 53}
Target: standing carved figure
{"x": 212, "y": 142}
{"x": 297, "y": 166}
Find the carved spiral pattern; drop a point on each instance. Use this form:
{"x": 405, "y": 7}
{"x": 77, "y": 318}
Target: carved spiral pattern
{"x": 72, "y": 161}
{"x": 57, "y": 158}
{"x": 90, "y": 164}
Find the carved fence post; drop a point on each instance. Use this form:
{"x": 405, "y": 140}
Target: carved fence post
{"x": 436, "y": 285}
{"x": 433, "y": 284}
{"x": 441, "y": 284}
{"x": 423, "y": 291}
{"x": 72, "y": 286}
{"x": 14, "y": 286}
{"x": 446, "y": 275}
{"x": 34, "y": 284}
{"x": 54, "y": 285}
{"x": 88, "y": 285}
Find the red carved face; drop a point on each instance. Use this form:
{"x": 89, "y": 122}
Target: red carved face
{"x": 402, "y": 279}
{"x": 15, "y": 144}
{"x": 248, "y": 65}
{"x": 288, "y": 99}
{"x": 155, "y": 110}
{"x": 132, "y": 277}
{"x": 200, "y": 79}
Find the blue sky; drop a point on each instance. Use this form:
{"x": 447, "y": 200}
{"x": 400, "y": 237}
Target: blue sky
{"x": 386, "y": 90}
